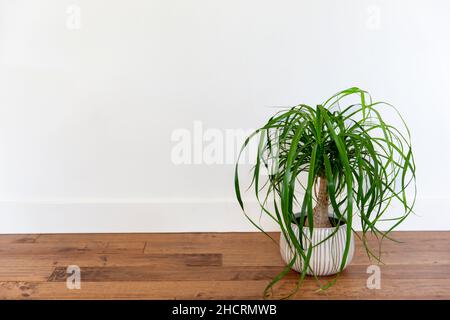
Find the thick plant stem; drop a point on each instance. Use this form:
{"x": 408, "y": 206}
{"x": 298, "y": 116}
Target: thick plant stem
{"x": 320, "y": 213}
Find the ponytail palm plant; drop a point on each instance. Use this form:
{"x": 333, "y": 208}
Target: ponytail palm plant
{"x": 338, "y": 157}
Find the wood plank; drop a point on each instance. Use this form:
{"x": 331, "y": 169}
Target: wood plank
{"x": 144, "y": 237}
{"x": 212, "y": 273}
{"x": 221, "y": 273}
{"x": 112, "y": 260}
{"x": 18, "y": 238}
{"x": 136, "y": 247}
{"x": 203, "y": 243}
{"x": 52, "y": 248}
{"x": 344, "y": 289}
{"x": 25, "y": 273}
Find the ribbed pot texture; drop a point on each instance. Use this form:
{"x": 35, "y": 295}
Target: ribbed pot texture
{"x": 326, "y": 258}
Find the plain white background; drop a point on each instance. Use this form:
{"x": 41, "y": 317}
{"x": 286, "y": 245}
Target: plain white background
{"x": 91, "y": 92}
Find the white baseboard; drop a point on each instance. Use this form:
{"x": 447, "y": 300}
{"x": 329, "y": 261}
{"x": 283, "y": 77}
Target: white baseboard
{"x": 191, "y": 215}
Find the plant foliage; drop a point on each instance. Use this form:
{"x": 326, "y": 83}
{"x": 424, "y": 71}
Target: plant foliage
{"x": 367, "y": 162}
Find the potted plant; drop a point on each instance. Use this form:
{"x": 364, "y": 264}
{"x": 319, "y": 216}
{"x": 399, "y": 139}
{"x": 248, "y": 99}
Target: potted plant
{"x": 321, "y": 170}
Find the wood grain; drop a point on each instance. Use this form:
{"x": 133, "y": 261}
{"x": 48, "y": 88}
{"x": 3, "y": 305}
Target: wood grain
{"x": 208, "y": 266}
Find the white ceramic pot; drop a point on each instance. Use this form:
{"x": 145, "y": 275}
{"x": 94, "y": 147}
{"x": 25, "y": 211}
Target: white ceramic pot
{"x": 326, "y": 258}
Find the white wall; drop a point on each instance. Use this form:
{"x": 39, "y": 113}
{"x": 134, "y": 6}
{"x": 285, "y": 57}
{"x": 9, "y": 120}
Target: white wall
{"x": 88, "y": 106}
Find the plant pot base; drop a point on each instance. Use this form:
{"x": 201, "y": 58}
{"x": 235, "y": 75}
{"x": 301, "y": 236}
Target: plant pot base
{"x": 326, "y": 257}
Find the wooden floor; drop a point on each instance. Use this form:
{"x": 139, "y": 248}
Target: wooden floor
{"x": 207, "y": 266}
